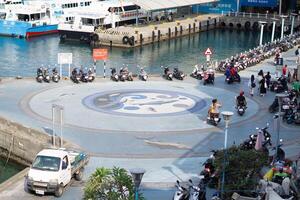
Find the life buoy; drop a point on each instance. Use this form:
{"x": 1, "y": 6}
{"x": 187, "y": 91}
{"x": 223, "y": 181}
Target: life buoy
{"x": 125, "y": 39}
{"x": 131, "y": 41}
{"x": 247, "y": 25}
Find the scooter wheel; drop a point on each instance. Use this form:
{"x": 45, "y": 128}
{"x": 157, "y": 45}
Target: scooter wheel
{"x": 289, "y": 121}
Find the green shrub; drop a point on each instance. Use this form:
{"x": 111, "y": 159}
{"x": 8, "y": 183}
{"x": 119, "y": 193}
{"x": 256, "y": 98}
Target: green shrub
{"x": 242, "y": 169}
{"x": 110, "y": 184}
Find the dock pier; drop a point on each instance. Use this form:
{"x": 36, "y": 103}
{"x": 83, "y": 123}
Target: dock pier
{"x": 135, "y": 36}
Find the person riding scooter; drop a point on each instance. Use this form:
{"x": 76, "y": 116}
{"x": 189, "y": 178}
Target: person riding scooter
{"x": 213, "y": 112}
{"x": 241, "y": 100}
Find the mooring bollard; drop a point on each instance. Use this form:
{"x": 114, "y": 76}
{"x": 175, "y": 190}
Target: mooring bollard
{"x": 189, "y": 28}
{"x": 153, "y": 36}
{"x": 181, "y": 30}
{"x": 141, "y": 39}
{"x": 158, "y": 35}
{"x": 194, "y": 27}
{"x": 199, "y": 26}
{"x": 175, "y": 31}
{"x": 169, "y": 32}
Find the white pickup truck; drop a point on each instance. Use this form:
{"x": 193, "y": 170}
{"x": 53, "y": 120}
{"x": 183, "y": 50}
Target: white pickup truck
{"x": 53, "y": 169}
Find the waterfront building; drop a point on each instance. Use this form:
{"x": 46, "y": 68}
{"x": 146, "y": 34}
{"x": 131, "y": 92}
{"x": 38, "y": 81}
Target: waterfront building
{"x": 262, "y": 6}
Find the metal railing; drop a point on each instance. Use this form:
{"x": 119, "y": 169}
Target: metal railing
{"x": 256, "y": 15}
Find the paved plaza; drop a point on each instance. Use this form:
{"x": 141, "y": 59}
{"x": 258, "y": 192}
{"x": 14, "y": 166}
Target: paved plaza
{"x": 157, "y": 125}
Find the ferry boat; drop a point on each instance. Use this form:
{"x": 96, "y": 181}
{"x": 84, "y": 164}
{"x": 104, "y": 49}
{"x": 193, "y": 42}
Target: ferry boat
{"x": 33, "y": 18}
{"x": 107, "y": 14}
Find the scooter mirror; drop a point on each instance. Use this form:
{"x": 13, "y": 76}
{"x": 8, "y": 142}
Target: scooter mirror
{"x": 190, "y": 181}
{"x": 281, "y": 140}
{"x": 268, "y": 124}
{"x": 177, "y": 181}
{"x": 257, "y": 128}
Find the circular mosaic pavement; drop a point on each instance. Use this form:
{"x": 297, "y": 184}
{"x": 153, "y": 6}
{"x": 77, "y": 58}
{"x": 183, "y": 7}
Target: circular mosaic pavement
{"x": 134, "y": 107}
{"x": 134, "y": 102}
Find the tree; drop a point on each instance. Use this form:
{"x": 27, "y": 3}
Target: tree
{"x": 109, "y": 184}
{"x": 242, "y": 169}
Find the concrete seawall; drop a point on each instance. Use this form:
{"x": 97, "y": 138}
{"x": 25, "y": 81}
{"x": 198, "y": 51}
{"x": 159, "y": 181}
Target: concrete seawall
{"x": 21, "y": 143}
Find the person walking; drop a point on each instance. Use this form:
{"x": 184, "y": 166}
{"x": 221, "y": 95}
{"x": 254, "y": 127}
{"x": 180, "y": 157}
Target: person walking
{"x": 284, "y": 70}
{"x": 262, "y": 87}
{"x": 252, "y": 85}
{"x": 268, "y": 79}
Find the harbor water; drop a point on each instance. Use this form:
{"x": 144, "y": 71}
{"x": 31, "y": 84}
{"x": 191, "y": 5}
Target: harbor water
{"x": 20, "y": 57}
{"x": 8, "y": 170}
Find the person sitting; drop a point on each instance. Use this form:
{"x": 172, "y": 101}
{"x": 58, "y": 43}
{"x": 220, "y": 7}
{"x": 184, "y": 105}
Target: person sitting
{"x": 213, "y": 111}
{"x": 279, "y": 176}
{"x": 241, "y": 100}
{"x": 227, "y": 72}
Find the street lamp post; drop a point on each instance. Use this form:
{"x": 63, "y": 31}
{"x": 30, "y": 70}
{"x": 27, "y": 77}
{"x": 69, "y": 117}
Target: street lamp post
{"x": 282, "y": 25}
{"x": 293, "y": 22}
{"x": 137, "y": 175}
{"x": 262, "y": 24}
{"x": 226, "y": 116}
{"x": 273, "y": 29}
{"x": 277, "y": 118}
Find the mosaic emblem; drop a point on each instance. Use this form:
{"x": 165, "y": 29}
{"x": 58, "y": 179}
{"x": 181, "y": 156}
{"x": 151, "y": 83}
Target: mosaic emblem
{"x": 144, "y": 102}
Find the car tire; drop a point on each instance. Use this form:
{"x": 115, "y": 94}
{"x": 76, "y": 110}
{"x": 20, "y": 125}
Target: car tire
{"x": 59, "y": 191}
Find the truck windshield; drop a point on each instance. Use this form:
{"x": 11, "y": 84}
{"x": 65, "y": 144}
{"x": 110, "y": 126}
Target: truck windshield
{"x": 46, "y": 163}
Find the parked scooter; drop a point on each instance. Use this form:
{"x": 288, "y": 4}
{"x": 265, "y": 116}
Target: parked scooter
{"x": 208, "y": 172}
{"x": 251, "y": 142}
{"x": 84, "y": 77}
{"x": 114, "y": 76}
{"x": 182, "y": 193}
{"x": 209, "y": 77}
{"x": 55, "y": 75}
{"x": 46, "y": 76}
{"x": 91, "y": 74}
{"x": 168, "y": 75}
{"x": 143, "y": 74}
{"x": 197, "y": 192}
{"x": 178, "y": 74}
{"x": 39, "y": 75}
{"x": 197, "y": 73}
{"x": 75, "y": 75}
{"x": 125, "y": 74}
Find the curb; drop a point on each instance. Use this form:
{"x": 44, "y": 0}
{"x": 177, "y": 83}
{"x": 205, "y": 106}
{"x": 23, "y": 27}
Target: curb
{"x": 13, "y": 179}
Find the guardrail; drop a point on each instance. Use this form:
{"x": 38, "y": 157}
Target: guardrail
{"x": 256, "y": 15}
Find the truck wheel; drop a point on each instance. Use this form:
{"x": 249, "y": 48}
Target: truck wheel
{"x": 78, "y": 177}
{"x": 59, "y": 191}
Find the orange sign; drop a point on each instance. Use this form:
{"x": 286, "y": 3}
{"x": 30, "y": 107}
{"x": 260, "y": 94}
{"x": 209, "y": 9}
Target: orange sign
{"x": 100, "y": 54}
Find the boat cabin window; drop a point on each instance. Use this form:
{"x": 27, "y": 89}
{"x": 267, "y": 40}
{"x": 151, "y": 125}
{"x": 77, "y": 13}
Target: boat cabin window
{"x": 2, "y": 15}
{"x": 69, "y": 5}
{"x": 131, "y": 8}
{"x": 69, "y": 19}
{"x": 93, "y": 22}
{"x": 30, "y": 17}
{"x": 115, "y": 9}
{"x": 87, "y": 3}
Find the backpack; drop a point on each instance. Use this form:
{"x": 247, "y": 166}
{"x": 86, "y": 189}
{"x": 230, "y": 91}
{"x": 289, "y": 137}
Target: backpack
{"x": 297, "y": 52}
{"x": 253, "y": 85}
